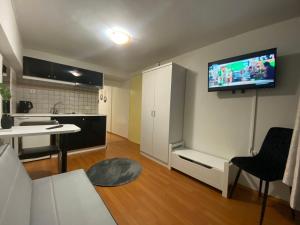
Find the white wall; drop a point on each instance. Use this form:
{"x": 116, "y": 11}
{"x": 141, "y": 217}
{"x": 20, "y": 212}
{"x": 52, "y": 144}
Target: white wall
{"x": 13, "y": 89}
{"x": 219, "y": 122}
{"x": 106, "y": 107}
{"x": 10, "y": 40}
{"x": 1, "y": 79}
{"x": 120, "y": 109}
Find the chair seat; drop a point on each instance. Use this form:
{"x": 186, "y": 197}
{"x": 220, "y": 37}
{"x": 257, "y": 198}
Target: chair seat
{"x": 36, "y": 152}
{"x": 259, "y": 167}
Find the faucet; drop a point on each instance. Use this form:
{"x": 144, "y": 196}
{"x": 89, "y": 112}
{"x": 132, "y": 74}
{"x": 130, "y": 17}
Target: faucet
{"x": 53, "y": 109}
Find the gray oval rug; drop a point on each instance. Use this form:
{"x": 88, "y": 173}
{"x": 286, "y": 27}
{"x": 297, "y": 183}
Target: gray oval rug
{"x": 114, "y": 172}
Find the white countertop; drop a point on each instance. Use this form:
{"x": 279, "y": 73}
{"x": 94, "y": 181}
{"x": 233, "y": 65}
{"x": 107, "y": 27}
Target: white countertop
{"x": 20, "y": 131}
{"x": 52, "y": 115}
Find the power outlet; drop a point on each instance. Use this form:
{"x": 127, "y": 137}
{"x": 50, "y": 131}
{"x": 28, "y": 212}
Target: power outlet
{"x": 32, "y": 91}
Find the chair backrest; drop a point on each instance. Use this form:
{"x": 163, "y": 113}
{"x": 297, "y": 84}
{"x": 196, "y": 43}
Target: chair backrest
{"x": 35, "y": 123}
{"x": 15, "y": 189}
{"x": 276, "y": 147}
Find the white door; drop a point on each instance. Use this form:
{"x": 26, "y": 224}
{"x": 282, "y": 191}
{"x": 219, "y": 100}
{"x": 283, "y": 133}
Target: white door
{"x": 147, "y": 113}
{"x": 162, "y": 113}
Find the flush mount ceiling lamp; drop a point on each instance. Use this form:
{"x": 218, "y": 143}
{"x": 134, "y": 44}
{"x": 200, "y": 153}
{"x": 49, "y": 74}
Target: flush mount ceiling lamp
{"x": 75, "y": 73}
{"x": 119, "y": 36}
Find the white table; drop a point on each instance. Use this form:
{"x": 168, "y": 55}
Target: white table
{"x": 21, "y": 131}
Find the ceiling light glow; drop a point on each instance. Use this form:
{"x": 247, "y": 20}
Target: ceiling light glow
{"x": 119, "y": 36}
{"x": 75, "y": 73}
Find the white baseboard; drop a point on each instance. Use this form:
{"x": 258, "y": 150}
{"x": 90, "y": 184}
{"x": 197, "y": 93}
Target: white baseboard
{"x": 154, "y": 159}
{"x": 73, "y": 152}
{"x": 102, "y": 147}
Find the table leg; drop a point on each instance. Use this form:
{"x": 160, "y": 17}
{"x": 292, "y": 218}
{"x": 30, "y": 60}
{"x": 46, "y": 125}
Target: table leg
{"x": 13, "y": 142}
{"x": 63, "y": 143}
{"x": 59, "y": 162}
{"x": 64, "y": 160}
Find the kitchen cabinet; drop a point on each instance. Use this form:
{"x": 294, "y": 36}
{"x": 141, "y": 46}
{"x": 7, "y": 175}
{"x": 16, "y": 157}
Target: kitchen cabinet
{"x": 163, "y": 93}
{"x": 89, "y": 77}
{"x": 56, "y": 72}
{"x": 93, "y": 131}
{"x": 37, "y": 68}
{"x": 96, "y": 130}
{"x": 62, "y": 73}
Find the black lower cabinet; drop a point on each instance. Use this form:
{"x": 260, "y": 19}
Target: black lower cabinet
{"x": 93, "y": 131}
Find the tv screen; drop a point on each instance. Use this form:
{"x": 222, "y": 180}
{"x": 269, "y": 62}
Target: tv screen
{"x": 254, "y": 70}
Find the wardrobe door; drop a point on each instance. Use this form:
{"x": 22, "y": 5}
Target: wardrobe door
{"x": 147, "y": 113}
{"x": 162, "y": 113}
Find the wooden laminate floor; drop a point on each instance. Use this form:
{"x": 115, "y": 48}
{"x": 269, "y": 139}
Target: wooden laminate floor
{"x": 164, "y": 197}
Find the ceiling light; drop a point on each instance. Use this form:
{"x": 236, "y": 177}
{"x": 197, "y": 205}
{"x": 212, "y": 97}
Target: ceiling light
{"x": 75, "y": 73}
{"x": 119, "y": 36}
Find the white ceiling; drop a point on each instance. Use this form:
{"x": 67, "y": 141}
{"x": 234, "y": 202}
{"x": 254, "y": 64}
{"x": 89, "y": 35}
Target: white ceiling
{"x": 161, "y": 29}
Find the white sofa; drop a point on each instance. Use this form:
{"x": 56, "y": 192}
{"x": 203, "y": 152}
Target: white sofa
{"x": 64, "y": 199}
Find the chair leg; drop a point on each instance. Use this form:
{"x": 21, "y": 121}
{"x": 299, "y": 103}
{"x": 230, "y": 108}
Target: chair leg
{"x": 59, "y": 162}
{"x": 292, "y": 210}
{"x": 293, "y": 214}
{"x": 235, "y": 182}
{"x": 260, "y": 186}
{"x": 264, "y": 203}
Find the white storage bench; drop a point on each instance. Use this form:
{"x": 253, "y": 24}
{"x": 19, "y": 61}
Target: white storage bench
{"x": 209, "y": 169}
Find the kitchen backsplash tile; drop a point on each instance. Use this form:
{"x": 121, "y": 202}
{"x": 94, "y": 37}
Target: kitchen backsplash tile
{"x": 43, "y": 99}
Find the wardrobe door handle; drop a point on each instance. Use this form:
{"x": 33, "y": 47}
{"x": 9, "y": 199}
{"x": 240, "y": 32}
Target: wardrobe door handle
{"x": 153, "y": 113}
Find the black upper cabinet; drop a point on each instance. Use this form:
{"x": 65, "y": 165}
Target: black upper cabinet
{"x": 37, "y": 68}
{"x": 63, "y": 73}
{"x": 59, "y": 72}
{"x": 90, "y": 77}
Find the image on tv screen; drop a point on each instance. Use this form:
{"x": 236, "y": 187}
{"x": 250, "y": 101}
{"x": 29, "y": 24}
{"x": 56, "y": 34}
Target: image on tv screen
{"x": 257, "y": 71}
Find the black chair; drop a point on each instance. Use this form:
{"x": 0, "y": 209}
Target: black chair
{"x": 37, "y": 152}
{"x": 269, "y": 164}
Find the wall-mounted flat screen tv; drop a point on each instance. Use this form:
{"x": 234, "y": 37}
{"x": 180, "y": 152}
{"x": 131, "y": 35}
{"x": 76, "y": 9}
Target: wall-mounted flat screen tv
{"x": 250, "y": 71}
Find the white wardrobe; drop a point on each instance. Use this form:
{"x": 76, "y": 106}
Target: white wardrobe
{"x": 163, "y": 94}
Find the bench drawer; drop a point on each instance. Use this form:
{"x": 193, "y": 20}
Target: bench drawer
{"x": 204, "y": 173}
